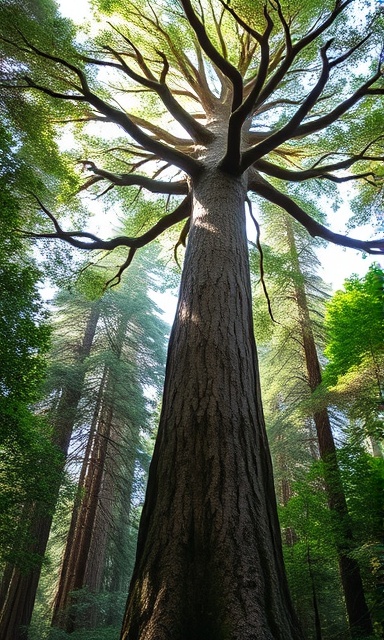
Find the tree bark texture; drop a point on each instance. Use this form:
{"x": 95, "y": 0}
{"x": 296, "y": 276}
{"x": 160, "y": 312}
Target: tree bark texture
{"x": 357, "y": 610}
{"x": 19, "y": 587}
{"x": 209, "y": 563}
{"x": 84, "y": 514}
{"x": 84, "y": 557}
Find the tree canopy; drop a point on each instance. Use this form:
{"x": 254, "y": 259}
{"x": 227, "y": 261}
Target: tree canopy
{"x": 291, "y": 97}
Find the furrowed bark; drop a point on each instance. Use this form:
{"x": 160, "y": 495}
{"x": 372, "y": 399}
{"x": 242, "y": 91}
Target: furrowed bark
{"x": 209, "y": 562}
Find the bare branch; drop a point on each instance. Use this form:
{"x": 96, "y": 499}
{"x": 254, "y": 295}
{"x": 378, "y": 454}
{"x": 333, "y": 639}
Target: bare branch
{"x": 160, "y": 133}
{"x": 225, "y": 67}
{"x": 279, "y": 137}
{"x": 255, "y": 34}
{"x": 196, "y": 130}
{"x": 261, "y": 254}
{"x": 274, "y": 81}
{"x": 287, "y": 32}
{"x": 261, "y": 187}
{"x": 111, "y": 283}
{"x": 131, "y": 179}
{"x": 93, "y": 242}
{"x": 320, "y": 123}
{"x": 219, "y": 31}
{"x": 182, "y": 239}
{"x": 233, "y": 156}
{"x": 322, "y": 171}
{"x": 188, "y": 164}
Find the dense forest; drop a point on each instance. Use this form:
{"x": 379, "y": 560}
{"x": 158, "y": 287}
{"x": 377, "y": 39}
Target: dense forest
{"x": 223, "y": 478}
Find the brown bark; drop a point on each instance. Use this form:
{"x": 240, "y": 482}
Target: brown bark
{"x": 83, "y": 562}
{"x": 357, "y": 610}
{"x": 80, "y": 532}
{"x": 209, "y": 562}
{"x": 18, "y": 591}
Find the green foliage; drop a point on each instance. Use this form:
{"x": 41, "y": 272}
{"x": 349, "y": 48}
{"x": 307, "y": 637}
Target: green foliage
{"x": 355, "y": 323}
{"x": 310, "y": 555}
{"x": 354, "y": 375}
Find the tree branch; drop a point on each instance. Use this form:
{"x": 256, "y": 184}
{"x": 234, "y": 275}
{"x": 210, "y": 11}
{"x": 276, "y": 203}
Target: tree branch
{"x": 196, "y": 130}
{"x": 279, "y": 137}
{"x": 315, "y": 172}
{"x": 94, "y": 242}
{"x": 131, "y": 179}
{"x": 232, "y": 157}
{"x": 261, "y": 187}
{"x": 272, "y": 84}
{"x": 225, "y": 67}
{"x": 184, "y": 162}
{"x": 343, "y": 107}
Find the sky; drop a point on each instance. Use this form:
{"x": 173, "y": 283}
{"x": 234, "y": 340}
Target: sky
{"x": 337, "y": 263}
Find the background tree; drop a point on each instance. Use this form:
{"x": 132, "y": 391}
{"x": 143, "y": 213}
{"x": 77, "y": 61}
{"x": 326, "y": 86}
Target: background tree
{"x": 30, "y": 163}
{"x": 220, "y": 574}
{"x": 126, "y": 358}
{"x": 355, "y": 343}
{"x": 299, "y": 301}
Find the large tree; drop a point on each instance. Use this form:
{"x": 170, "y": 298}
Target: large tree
{"x": 292, "y": 379}
{"x": 239, "y": 97}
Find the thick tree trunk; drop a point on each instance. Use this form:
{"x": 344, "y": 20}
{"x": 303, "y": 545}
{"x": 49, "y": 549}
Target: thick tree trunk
{"x": 19, "y": 587}
{"x": 209, "y": 562}
{"x": 357, "y": 610}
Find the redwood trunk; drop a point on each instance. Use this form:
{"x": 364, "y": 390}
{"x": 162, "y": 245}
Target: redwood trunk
{"x": 80, "y": 532}
{"x": 209, "y": 562}
{"x": 19, "y": 588}
{"x": 84, "y": 556}
{"x": 357, "y": 610}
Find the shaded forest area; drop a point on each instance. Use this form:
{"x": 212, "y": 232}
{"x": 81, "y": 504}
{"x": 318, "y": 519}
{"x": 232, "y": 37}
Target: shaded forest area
{"x": 85, "y": 380}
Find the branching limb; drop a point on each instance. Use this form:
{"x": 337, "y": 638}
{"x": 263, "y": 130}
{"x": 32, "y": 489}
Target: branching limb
{"x": 184, "y": 162}
{"x": 233, "y": 155}
{"x": 91, "y": 241}
{"x": 131, "y": 179}
{"x": 221, "y": 63}
{"x": 160, "y": 133}
{"x": 260, "y": 250}
{"x": 219, "y": 32}
{"x": 182, "y": 240}
{"x": 320, "y": 123}
{"x": 295, "y": 49}
{"x": 286, "y": 28}
{"x": 261, "y": 187}
{"x": 196, "y": 130}
{"x": 322, "y": 171}
{"x": 279, "y": 137}
{"x": 244, "y": 25}
{"x": 113, "y": 282}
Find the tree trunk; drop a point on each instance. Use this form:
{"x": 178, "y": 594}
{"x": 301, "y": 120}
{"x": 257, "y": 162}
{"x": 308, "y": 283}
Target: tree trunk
{"x": 357, "y": 610}
{"x": 80, "y": 531}
{"x": 19, "y": 587}
{"x": 83, "y": 563}
{"x": 209, "y": 562}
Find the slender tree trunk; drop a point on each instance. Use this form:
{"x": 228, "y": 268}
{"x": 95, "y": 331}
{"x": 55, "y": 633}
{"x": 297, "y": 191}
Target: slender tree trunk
{"x": 314, "y": 599}
{"x": 120, "y": 554}
{"x": 83, "y": 563}
{"x": 209, "y": 561}
{"x": 357, "y": 610}
{"x": 18, "y": 591}
{"x": 80, "y": 530}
